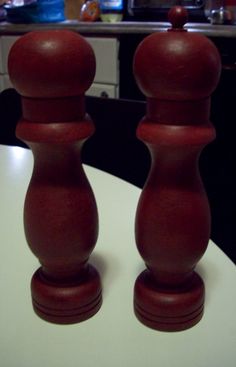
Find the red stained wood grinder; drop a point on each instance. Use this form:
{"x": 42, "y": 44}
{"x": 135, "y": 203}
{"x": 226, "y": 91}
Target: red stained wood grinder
{"x": 177, "y": 71}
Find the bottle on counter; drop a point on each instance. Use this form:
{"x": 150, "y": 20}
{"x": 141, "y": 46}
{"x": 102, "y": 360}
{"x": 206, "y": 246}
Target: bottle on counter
{"x": 111, "y": 10}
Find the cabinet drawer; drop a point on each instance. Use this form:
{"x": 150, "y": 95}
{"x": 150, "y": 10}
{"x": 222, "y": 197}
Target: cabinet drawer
{"x": 103, "y": 90}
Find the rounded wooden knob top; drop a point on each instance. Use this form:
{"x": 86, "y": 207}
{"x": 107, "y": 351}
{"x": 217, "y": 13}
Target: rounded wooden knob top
{"x": 178, "y": 16}
{"x": 49, "y": 64}
{"x": 177, "y": 65}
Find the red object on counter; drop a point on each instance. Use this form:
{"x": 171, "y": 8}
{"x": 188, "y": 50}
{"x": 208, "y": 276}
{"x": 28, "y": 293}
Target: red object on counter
{"x": 52, "y": 70}
{"x": 177, "y": 71}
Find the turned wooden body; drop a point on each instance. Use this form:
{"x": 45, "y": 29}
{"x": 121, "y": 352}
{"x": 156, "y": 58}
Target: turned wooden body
{"x": 52, "y": 70}
{"x": 177, "y": 71}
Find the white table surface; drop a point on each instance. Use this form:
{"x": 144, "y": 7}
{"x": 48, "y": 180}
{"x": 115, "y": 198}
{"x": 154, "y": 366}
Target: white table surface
{"x": 113, "y": 337}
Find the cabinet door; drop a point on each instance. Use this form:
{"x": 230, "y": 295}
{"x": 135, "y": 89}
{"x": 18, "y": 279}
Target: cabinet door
{"x": 106, "y": 51}
{"x": 6, "y": 44}
{"x": 1, "y": 83}
{"x": 1, "y": 58}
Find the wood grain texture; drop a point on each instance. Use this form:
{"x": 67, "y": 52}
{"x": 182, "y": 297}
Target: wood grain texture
{"x": 177, "y": 71}
{"x": 52, "y": 70}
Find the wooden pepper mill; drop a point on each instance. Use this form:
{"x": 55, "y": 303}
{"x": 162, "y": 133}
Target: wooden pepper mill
{"x": 52, "y": 70}
{"x": 177, "y": 71}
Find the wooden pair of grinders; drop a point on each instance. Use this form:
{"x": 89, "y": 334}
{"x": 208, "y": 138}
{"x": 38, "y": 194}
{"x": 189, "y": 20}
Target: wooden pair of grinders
{"x": 177, "y": 72}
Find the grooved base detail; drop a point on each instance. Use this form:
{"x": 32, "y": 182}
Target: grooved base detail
{"x": 67, "y": 304}
{"x": 168, "y": 309}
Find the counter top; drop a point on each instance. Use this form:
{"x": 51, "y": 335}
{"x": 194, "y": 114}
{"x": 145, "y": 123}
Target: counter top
{"x": 226, "y": 31}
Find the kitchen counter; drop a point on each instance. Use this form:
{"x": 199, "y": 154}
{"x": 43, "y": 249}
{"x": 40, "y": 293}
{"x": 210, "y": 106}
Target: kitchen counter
{"x": 225, "y": 31}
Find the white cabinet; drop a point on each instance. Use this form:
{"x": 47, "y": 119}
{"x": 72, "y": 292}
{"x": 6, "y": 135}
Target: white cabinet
{"x": 6, "y": 43}
{"x": 106, "y": 81}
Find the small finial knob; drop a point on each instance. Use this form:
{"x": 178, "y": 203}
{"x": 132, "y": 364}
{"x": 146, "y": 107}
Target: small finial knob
{"x": 178, "y": 16}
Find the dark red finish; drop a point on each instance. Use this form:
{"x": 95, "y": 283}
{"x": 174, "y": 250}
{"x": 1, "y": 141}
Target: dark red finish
{"x": 177, "y": 71}
{"x": 52, "y": 70}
